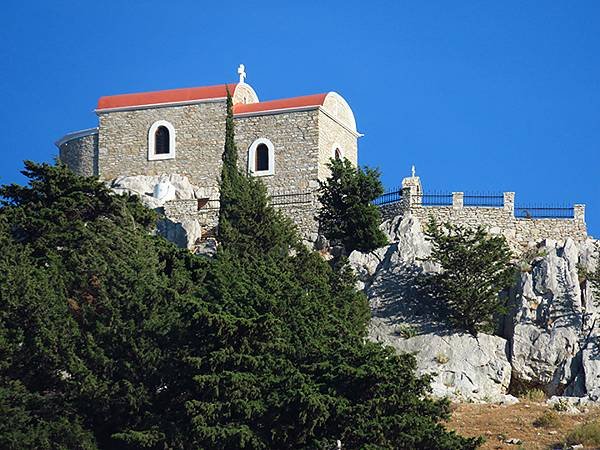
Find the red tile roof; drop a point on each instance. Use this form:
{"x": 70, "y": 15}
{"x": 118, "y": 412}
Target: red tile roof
{"x": 170, "y": 96}
{"x": 286, "y": 103}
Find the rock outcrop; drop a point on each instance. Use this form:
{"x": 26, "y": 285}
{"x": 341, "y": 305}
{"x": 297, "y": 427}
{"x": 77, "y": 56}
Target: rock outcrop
{"x": 155, "y": 191}
{"x": 462, "y": 366}
{"x": 550, "y": 336}
{"x": 553, "y": 327}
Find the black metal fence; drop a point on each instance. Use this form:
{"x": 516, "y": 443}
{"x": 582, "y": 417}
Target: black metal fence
{"x": 433, "y": 199}
{"x": 544, "y": 212}
{"x": 490, "y": 200}
{"x": 295, "y": 198}
{"x": 393, "y": 196}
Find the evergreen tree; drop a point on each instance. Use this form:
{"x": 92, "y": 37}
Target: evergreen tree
{"x": 111, "y": 337}
{"x": 348, "y": 216}
{"x": 245, "y": 218}
{"x": 476, "y": 267}
{"x": 284, "y": 361}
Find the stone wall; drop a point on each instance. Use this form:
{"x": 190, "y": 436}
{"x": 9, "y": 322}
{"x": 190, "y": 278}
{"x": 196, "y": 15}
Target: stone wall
{"x": 519, "y": 232}
{"x": 331, "y": 135}
{"x": 199, "y": 142}
{"x": 303, "y": 142}
{"x": 300, "y": 210}
{"x": 80, "y": 154}
{"x": 295, "y": 137}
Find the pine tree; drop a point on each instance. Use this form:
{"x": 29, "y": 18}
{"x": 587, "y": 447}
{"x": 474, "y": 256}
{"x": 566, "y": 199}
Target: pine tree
{"x": 112, "y": 338}
{"x": 476, "y": 267}
{"x": 348, "y": 216}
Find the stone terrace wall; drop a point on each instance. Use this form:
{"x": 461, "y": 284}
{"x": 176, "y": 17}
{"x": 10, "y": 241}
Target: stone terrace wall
{"x": 300, "y": 210}
{"x": 519, "y": 232}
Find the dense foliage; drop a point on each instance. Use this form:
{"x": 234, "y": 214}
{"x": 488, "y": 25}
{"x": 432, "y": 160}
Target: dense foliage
{"x": 112, "y": 338}
{"x": 475, "y": 269}
{"x": 348, "y": 216}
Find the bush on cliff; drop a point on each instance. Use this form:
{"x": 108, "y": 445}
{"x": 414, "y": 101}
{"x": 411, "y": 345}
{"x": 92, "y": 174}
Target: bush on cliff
{"x": 475, "y": 268}
{"x": 347, "y": 216}
{"x": 113, "y": 338}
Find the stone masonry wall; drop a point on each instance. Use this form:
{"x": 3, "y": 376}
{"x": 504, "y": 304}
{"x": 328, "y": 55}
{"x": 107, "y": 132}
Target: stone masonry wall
{"x": 295, "y": 137}
{"x": 332, "y": 134}
{"x": 207, "y": 215}
{"x": 303, "y": 142}
{"x": 519, "y": 232}
{"x": 81, "y": 154}
{"x": 199, "y": 142}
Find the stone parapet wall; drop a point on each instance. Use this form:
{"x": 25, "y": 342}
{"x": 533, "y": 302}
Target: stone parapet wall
{"x": 300, "y": 210}
{"x": 519, "y": 232}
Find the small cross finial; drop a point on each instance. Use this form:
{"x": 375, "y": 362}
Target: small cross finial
{"x": 242, "y": 73}
{"x": 413, "y": 170}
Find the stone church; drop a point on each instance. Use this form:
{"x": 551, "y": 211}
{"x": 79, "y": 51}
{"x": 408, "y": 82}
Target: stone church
{"x": 152, "y": 136}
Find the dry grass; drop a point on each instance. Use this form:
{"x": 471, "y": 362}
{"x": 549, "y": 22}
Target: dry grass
{"x": 498, "y": 423}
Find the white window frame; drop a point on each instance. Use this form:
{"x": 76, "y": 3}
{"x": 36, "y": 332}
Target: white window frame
{"x": 152, "y": 156}
{"x": 252, "y": 158}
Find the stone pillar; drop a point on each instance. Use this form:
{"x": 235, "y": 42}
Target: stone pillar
{"x": 579, "y": 213}
{"x": 407, "y": 198}
{"x": 414, "y": 188}
{"x": 458, "y": 199}
{"x": 509, "y": 202}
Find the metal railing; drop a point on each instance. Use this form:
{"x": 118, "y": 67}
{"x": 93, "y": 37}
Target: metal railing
{"x": 544, "y": 212}
{"x": 294, "y": 198}
{"x": 394, "y": 196}
{"x": 476, "y": 199}
{"x": 433, "y": 199}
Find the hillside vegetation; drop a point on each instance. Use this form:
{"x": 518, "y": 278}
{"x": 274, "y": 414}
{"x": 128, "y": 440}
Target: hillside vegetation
{"x": 111, "y": 337}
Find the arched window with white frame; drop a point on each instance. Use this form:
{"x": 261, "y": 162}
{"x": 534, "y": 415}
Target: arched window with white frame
{"x": 161, "y": 141}
{"x": 261, "y": 158}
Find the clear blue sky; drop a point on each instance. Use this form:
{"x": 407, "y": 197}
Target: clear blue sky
{"x": 479, "y": 95}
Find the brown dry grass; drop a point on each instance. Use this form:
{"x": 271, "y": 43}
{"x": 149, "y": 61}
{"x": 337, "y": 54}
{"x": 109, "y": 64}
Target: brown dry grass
{"x": 496, "y": 423}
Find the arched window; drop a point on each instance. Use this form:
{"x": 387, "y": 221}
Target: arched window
{"x": 261, "y": 158}
{"x": 161, "y": 141}
{"x": 337, "y": 152}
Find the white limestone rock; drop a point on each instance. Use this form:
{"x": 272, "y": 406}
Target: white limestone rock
{"x": 144, "y": 186}
{"x": 403, "y": 317}
{"x": 184, "y": 233}
{"x": 154, "y": 191}
{"x": 463, "y": 367}
{"x": 553, "y": 331}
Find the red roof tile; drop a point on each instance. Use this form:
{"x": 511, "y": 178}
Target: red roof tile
{"x": 169, "y": 96}
{"x": 286, "y": 103}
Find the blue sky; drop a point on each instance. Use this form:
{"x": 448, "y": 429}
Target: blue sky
{"x": 479, "y": 95}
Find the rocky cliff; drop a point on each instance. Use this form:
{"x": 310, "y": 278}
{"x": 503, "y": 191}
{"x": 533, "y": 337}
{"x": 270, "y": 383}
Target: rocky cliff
{"x": 549, "y": 339}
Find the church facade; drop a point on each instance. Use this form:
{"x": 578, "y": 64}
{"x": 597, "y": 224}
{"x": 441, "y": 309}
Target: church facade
{"x": 286, "y": 142}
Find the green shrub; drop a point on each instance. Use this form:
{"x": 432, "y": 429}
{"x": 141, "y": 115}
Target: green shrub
{"x": 561, "y": 405}
{"x": 348, "y": 216}
{"x": 476, "y": 268}
{"x": 549, "y": 419}
{"x": 405, "y": 330}
{"x": 533, "y": 395}
{"x": 587, "y": 434}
